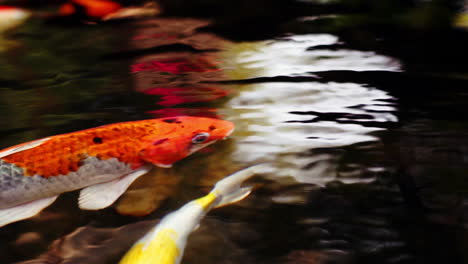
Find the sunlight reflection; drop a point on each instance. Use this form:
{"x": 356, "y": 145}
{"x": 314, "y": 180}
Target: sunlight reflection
{"x": 289, "y": 56}
{"x": 266, "y": 110}
{"x": 281, "y": 122}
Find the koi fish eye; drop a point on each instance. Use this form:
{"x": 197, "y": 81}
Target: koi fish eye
{"x": 200, "y": 137}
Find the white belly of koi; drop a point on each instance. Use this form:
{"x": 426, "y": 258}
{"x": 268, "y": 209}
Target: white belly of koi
{"x": 15, "y": 188}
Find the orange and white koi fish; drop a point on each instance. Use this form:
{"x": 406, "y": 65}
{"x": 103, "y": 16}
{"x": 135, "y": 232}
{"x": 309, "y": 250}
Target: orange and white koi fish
{"x": 165, "y": 243}
{"x": 11, "y": 17}
{"x": 103, "y": 160}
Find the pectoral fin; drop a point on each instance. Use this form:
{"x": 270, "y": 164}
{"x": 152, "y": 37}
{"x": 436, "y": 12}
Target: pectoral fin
{"x": 23, "y": 211}
{"x": 234, "y": 197}
{"x": 102, "y": 195}
{"x": 230, "y": 188}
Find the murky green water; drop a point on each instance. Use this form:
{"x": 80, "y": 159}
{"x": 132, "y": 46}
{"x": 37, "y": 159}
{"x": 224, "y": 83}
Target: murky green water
{"x": 368, "y": 143}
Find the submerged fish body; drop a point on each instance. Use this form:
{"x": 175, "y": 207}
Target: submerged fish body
{"x": 11, "y": 17}
{"x": 103, "y": 160}
{"x": 165, "y": 243}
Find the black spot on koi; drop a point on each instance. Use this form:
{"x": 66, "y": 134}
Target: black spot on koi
{"x": 172, "y": 120}
{"x": 157, "y": 142}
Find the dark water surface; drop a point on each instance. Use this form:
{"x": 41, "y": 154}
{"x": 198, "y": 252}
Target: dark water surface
{"x": 367, "y": 138}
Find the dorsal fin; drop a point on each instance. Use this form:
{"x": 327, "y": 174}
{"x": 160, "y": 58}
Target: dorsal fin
{"x": 21, "y": 147}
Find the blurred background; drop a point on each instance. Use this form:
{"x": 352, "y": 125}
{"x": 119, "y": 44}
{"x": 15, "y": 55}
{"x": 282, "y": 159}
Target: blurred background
{"x": 359, "y": 106}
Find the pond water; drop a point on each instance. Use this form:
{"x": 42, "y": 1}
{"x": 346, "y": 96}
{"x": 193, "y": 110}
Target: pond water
{"x": 368, "y": 148}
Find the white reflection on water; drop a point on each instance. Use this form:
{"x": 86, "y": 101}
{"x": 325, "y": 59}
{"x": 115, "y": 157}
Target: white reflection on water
{"x": 290, "y": 56}
{"x": 262, "y": 111}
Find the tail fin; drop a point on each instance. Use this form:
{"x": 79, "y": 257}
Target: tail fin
{"x": 230, "y": 188}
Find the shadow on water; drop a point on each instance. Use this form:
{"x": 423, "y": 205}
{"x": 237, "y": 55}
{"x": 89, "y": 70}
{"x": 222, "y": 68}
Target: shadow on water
{"x": 365, "y": 129}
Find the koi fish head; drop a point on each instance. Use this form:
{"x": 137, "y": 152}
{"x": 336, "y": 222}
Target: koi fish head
{"x": 185, "y": 136}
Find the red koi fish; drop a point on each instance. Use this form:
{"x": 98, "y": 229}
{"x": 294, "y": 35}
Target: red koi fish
{"x": 184, "y": 95}
{"x": 103, "y": 160}
{"x": 90, "y": 8}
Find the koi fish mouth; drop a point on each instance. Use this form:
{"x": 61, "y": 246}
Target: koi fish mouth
{"x": 228, "y": 134}
{"x": 161, "y": 165}
{"x": 196, "y": 148}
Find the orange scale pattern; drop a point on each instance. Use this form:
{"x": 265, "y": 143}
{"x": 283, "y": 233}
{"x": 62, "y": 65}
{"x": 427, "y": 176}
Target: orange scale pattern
{"x": 63, "y": 154}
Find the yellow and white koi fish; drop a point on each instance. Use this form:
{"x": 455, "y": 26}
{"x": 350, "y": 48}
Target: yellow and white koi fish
{"x": 165, "y": 243}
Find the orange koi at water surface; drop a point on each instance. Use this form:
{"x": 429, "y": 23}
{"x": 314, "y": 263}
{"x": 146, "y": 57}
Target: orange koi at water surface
{"x": 103, "y": 160}
{"x": 90, "y": 8}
